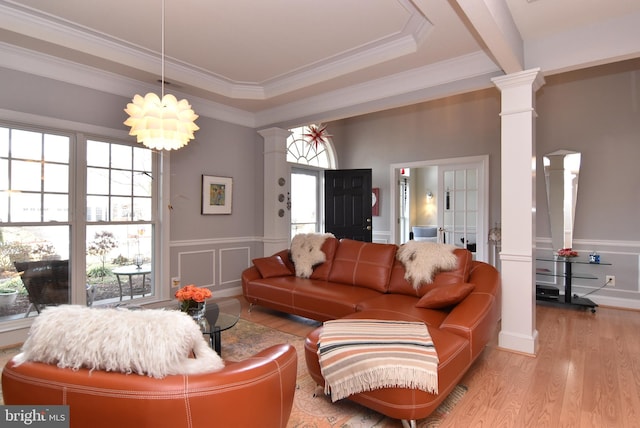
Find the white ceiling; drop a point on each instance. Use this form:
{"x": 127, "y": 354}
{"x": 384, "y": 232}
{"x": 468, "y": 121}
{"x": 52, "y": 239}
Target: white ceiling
{"x": 262, "y": 62}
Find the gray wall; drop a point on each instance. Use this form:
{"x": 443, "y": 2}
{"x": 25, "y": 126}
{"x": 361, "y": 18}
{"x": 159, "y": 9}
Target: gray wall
{"x": 465, "y": 125}
{"x": 224, "y": 150}
{"x": 50, "y": 98}
{"x": 594, "y": 111}
{"x": 214, "y": 249}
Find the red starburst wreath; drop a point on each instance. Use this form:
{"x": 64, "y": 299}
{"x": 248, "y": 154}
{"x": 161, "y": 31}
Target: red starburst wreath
{"x": 317, "y": 134}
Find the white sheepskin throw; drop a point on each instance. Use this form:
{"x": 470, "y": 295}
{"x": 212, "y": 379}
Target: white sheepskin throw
{"x": 152, "y": 342}
{"x": 422, "y": 260}
{"x": 306, "y": 252}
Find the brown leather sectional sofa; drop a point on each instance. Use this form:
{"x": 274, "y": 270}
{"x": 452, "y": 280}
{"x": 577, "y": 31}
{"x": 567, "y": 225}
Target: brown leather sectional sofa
{"x": 256, "y": 392}
{"x": 364, "y": 280}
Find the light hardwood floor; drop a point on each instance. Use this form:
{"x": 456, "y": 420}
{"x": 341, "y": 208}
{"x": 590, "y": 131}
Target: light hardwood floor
{"x": 586, "y": 372}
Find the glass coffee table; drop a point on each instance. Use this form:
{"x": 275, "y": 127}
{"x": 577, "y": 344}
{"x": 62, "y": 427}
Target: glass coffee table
{"x": 221, "y": 315}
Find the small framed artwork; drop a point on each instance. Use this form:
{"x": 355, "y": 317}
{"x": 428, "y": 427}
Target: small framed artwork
{"x": 217, "y": 194}
{"x": 375, "y": 201}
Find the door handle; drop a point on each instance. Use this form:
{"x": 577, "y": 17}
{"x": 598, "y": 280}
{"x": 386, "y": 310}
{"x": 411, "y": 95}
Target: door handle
{"x": 368, "y": 227}
{"x": 368, "y": 220}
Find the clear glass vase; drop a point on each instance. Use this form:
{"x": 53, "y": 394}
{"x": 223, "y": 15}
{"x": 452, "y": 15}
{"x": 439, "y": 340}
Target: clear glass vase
{"x": 196, "y": 310}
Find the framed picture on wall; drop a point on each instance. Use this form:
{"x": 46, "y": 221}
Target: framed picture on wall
{"x": 375, "y": 201}
{"x": 217, "y": 194}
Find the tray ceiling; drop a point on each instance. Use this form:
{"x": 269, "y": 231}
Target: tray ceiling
{"x": 262, "y": 58}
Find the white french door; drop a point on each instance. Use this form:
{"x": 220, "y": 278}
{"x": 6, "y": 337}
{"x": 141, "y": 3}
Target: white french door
{"x": 461, "y": 213}
{"x": 468, "y": 214}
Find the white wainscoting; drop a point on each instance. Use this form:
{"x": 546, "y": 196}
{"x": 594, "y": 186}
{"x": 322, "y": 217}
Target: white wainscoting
{"x": 218, "y": 263}
{"x": 214, "y": 263}
{"x": 381, "y": 237}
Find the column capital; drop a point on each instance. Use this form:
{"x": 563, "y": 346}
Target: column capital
{"x": 269, "y": 133}
{"x": 275, "y": 139}
{"x": 532, "y": 78}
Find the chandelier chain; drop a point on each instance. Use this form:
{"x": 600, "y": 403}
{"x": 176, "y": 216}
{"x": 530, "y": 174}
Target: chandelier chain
{"x": 162, "y": 49}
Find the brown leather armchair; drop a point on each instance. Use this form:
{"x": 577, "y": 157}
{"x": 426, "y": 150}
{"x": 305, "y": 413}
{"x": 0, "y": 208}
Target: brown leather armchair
{"x": 257, "y": 391}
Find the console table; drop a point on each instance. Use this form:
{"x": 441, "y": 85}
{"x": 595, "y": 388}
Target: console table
{"x": 543, "y": 291}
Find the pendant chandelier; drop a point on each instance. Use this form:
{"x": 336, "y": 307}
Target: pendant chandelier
{"x": 161, "y": 123}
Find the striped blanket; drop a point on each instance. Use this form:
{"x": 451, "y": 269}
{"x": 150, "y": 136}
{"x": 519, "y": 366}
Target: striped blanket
{"x": 359, "y": 355}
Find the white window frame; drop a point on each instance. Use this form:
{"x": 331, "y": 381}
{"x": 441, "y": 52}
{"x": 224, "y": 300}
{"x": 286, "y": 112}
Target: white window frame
{"x": 13, "y": 330}
{"x": 319, "y": 174}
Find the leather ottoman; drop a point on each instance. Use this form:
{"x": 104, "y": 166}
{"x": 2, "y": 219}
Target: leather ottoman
{"x": 404, "y": 403}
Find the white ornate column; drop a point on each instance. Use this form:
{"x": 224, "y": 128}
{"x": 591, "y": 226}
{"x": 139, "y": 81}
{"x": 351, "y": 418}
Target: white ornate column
{"x": 277, "y": 215}
{"x": 518, "y": 200}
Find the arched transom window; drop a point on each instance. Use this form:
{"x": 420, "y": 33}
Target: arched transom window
{"x": 310, "y": 145}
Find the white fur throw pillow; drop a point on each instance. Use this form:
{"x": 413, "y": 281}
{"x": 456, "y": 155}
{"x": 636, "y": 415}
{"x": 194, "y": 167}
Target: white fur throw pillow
{"x": 306, "y": 252}
{"x": 422, "y": 260}
{"x": 153, "y": 342}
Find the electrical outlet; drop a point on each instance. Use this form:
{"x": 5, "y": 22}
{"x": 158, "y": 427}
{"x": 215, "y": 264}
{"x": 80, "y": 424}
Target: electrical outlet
{"x": 175, "y": 282}
{"x": 610, "y": 280}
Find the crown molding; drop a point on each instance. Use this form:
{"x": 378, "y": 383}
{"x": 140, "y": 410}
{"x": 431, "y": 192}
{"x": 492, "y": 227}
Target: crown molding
{"x": 51, "y": 67}
{"x": 462, "y": 74}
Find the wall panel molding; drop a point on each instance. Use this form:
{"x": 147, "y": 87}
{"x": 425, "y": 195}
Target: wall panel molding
{"x": 231, "y": 261}
{"x": 216, "y": 241}
{"x": 217, "y": 263}
{"x": 192, "y": 267}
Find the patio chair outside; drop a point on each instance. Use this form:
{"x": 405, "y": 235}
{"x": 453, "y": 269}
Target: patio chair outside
{"x": 46, "y": 281}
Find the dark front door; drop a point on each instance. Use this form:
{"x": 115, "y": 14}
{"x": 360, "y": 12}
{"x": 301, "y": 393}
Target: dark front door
{"x": 347, "y": 195}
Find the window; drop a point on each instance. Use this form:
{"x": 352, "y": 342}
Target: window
{"x": 307, "y": 179}
{"x": 302, "y": 152}
{"x": 305, "y": 213}
{"x": 120, "y": 225}
{"x": 50, "y": 253}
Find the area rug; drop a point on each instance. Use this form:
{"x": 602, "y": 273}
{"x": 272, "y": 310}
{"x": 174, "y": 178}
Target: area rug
{"x": 311, "y": 408}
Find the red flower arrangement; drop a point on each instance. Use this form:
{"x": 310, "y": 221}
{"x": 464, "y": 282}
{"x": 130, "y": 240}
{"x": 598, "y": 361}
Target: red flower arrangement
{"x": 567, "y": 252}
{"x": 190, "y": 295}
